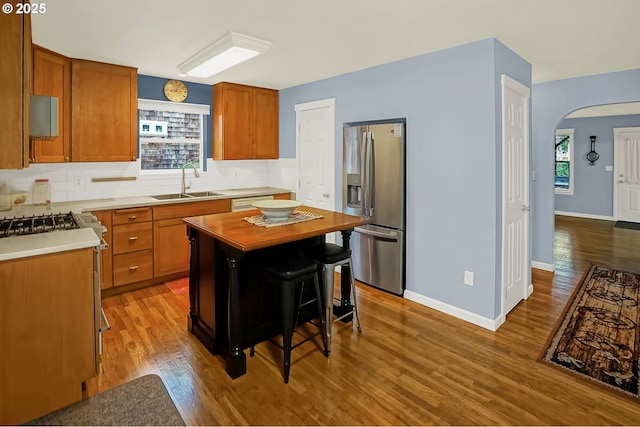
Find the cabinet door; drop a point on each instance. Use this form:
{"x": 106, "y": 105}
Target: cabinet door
{"x": 48, "y": 333}
{"x": 104, "y": 107}
{"x": 52, "y": 77}
{"x": 15, "y": 87}
{"x": 265, "y": 123}
{"x": 232, "y": 112}
{"x": 171, "y": 247}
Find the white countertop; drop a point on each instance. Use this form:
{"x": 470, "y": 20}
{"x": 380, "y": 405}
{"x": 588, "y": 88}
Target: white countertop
{"x": 59, "y": 241}
{"x": 45, "y": 243}
{"x": 131, "y": 202}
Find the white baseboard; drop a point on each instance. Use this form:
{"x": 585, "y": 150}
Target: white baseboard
{"x": 543, "y": 266}
{"x": 584, "y": 215}
{"x": 467, "y": 316}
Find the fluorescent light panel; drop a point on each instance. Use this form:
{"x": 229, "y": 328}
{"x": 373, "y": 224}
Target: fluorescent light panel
{"x": 224, "y": 53}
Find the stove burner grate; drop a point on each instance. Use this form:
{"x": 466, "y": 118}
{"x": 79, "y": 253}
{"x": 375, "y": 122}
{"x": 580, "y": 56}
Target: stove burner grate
{"x": 37, "y": 224}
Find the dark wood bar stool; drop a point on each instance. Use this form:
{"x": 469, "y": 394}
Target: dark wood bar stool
{"x": 291, "y": 275}
{"x": 328, "y": 256}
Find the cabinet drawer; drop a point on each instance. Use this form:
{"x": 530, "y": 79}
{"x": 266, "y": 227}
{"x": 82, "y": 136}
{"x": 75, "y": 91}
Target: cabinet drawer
{"x": 132, "y": 237}
{"x": 131, "y": 216}
{"x": 132, "y": 267}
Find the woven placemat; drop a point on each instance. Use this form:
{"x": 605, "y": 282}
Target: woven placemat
{"x": 294, "y": 218}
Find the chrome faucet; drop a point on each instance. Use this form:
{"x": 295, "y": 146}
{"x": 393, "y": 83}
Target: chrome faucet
{"x": 185, "y": 187}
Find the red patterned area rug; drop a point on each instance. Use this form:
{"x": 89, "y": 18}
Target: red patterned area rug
{"x": 598, "y": 337}
{"x": 179, "y": 286}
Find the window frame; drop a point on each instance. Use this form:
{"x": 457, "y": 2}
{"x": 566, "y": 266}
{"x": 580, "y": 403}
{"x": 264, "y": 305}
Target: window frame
{"x": 565, "y": 191}
{"x": 180, "y": 107}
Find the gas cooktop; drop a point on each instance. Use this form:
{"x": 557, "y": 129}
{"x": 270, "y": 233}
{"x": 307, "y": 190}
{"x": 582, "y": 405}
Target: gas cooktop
{"x": 38, "y": 224}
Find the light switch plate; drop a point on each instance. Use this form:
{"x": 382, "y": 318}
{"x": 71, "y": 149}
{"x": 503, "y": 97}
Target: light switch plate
{"x": 468, "y": 278}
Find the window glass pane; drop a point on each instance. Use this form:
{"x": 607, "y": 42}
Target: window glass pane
{"x": 168, "y": 155}
{"x": 563, "y": 155}
{"x": 169, "y": 139}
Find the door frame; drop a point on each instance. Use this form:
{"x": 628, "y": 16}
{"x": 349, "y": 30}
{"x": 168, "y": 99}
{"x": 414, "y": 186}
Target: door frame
{"x": 616, "y": 165}
{"x": 509, "y": 83}
{"x": 329, "y": 103}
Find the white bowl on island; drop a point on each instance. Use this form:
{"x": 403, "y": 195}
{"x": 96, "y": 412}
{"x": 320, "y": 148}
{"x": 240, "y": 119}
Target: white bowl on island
{"x": 277, "y": 210}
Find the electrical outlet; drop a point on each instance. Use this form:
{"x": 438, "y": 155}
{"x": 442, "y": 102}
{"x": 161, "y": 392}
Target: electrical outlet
{"x": 77, "y": 182}
{"x": 468, "y": 278}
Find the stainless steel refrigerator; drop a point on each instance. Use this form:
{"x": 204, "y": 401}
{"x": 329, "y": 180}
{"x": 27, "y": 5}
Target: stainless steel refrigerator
{"x": 374, "y": 188}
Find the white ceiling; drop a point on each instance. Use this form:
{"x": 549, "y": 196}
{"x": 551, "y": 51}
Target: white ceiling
{"x": 313, "y": 40}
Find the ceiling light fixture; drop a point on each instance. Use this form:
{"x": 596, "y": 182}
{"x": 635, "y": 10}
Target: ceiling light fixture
{"x": 224, "y": 53}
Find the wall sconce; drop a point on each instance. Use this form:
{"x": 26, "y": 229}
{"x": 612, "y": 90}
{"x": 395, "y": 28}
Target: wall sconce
{"x": 224, "y": 53}
{"x": 592, "y": 156}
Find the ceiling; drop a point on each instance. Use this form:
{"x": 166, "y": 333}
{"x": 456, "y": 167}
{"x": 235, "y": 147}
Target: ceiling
{"x": 313, "y": 40}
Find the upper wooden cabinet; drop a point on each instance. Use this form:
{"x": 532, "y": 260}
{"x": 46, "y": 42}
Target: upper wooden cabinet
{"x": 104, "y": 108}
{"x": 52, "y": 77}
{"x": 245, "y": 122}
{"x": 15, "y": 87}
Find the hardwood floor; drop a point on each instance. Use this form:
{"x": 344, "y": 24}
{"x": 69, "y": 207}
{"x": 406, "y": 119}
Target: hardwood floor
{"x": 410, "y": 366}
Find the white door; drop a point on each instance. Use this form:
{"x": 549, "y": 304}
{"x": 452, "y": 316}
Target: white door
{"x": 626, "y": 172}
{"x": 515, "y": 193}
{"x": 315, "y": 151}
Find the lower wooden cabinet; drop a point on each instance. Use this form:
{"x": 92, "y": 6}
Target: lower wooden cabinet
{"x": 171, "y": 252}
{"x": 171, "y": 245}
{"x": 147, "y": 244}
{"x": 48, "y": 332}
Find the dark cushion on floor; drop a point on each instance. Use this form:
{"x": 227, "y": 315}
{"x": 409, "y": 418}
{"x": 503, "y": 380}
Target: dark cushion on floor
{"x": 290, "y": 268}
{"x": 330, "y": 253}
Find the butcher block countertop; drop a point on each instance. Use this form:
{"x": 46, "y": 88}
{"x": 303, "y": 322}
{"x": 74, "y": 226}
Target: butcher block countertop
{"x": 231, "y": 229}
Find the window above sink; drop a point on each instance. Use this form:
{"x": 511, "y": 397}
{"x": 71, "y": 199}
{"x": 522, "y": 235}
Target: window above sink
{"x": 179, "y": 139}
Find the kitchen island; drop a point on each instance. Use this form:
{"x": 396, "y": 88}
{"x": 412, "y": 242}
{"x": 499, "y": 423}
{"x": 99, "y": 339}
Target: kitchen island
{"x": 229, "y": 309}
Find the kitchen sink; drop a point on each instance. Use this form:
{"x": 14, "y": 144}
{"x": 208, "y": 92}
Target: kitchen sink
{"x": 204, "y": 194}
{"x": 185, "y": 195}
{"x": 171, "y": 196}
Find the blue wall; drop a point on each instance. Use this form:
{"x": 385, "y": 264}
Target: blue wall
{"x": 550, "y": 103}
{"x": 451, "y": 101}
{"x": 593, "y": 186}
{"x": 150, "y": 87}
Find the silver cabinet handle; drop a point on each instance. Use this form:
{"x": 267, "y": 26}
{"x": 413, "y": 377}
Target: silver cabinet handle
{"x": 104, "y": 321}
{"x": 133, "y": 238}
{"x": 525, "y": 208}
{"x": 133, "y": 268}
{"x": 132, "y": 218}
{"x": 325, "y": 195}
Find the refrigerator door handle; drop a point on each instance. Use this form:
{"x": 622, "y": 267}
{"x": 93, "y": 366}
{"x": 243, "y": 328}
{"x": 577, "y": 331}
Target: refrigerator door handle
{"x": 364, "y": 180}
{"x": 372, "y": 173}
{"x": 367, "y": 179}
{"x": 390, "y": 235}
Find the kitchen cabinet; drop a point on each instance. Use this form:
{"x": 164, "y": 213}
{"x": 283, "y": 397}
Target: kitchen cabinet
{"x": 104, "y": 109}
{"x": 132, "y": 245}
{"x": 149, "y": 245}
{"x": 48, "y": 332}
{"x": 106, "y": 255}
{"x": 171, "y": 245}
{"x": 245, "y": 122}
{"x": 52, "y": 77}
{"x": 15, "y": 87}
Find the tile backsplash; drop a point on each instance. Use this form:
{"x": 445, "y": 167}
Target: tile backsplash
{"x": 73, "y": 181}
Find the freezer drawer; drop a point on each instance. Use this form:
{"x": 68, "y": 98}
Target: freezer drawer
{"x": 378, "y": 257}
